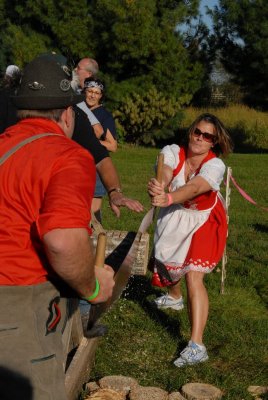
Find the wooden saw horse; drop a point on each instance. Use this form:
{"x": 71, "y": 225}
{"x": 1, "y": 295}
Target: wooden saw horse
{"x": 127, "y": 253}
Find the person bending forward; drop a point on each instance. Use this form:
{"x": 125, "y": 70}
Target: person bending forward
{"x": 192, "y": 226}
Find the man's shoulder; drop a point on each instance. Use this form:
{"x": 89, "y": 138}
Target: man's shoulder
{"x": 62, "y": 150}
{"x": 72, "y": 147}
{"x": 80, "y": 115}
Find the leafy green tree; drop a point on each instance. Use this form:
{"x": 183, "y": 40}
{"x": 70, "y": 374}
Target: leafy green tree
{"x": 23, "y": 44}
{"x": 62, "y": 25}
{"x": 138, "y": 46}
{"x": 137, "y": 43}
{"x": 148, "y": 118}
{"x": 241, "y": 29}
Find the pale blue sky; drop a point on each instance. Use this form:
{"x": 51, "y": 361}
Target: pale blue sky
{"x": 202, "y": 8}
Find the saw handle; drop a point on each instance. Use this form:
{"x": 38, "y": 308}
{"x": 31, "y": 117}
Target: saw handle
{"x": 100, "y": 250}
{"x": 159, "y": 169}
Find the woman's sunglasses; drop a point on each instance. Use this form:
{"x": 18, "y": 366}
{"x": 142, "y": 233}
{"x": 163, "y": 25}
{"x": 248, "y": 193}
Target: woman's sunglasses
{"x": 208, "y": 137}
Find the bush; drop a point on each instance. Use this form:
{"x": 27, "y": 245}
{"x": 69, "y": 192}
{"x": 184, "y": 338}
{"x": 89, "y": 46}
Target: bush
{"x": 146, "y": 119}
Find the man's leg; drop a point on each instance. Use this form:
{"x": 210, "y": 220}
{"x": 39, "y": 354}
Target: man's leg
{"x": 30, "y": 338}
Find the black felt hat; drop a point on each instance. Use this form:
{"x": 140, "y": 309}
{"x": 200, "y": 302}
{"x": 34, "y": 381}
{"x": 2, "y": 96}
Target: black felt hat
{"x": 46, "y": 85}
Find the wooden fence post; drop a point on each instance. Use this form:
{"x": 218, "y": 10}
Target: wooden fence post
{"x": 227, "y": 202}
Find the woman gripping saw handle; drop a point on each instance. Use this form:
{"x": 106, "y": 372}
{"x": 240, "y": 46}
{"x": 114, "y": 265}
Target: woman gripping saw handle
{"x": 191, "y": 227}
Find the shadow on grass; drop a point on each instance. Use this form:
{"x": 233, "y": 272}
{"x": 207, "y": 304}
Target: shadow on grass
{"x": 138, "y": 290}
{"x": 261, "y": 228}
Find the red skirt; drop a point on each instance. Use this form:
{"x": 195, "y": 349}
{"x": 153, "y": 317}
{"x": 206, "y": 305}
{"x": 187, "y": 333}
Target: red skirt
{"x": 205, "y": 251}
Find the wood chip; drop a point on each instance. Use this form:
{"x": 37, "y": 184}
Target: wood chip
{"x": 106, "y": 394}
{"x": 121, "y": 383}
{"x": 201, "y": 391}
{"x": 257, "y": 390}
{"x": 148, "y": 393}
{"x": 175, "y": 396}
{"x": 92, "y": 387}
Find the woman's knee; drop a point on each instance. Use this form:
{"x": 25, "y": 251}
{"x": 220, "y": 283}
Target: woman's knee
{"x": 194, "y": 279}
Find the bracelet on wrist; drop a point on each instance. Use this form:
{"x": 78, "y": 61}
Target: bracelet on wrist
{"x": 117, "y": 190}
{"x": 170, "y": 200}
{"x": 95, "y": 293}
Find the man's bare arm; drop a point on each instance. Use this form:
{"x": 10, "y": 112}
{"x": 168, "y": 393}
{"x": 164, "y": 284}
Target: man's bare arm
{"x": 71, "y": 255}
{"x": 110, "y": 179}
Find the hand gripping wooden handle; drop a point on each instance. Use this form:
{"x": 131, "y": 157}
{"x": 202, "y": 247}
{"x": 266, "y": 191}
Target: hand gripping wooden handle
{"x": 100, "y": 250}
{"x": 159, "y": 170}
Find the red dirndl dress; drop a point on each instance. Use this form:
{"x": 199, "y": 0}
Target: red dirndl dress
{"x": 189, "y": 236}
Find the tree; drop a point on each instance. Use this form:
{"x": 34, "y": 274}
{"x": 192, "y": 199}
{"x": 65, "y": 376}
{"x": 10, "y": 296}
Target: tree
{"x": 241, "y": 30}
{"x": 148, "y": 118}
{"x": 138, "y": 46}
{"x": 63, "y": 26}
{"x": 23, "y": 44}
{"x": 136, "y": 43}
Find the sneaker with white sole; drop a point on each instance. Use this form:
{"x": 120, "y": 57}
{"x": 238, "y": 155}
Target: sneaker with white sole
{"x": 166, "y": 301}
{"x": 192, "y": 354}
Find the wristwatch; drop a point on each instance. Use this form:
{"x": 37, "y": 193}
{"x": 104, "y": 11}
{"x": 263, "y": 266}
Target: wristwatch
{"x": 117, "y": 190}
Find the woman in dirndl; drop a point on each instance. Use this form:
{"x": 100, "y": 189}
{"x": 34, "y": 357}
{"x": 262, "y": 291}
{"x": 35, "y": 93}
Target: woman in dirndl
{"x": 191, "y": 227}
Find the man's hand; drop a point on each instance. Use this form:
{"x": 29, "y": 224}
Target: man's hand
{"x": 110, "y": 179}
{"x": 118, "y": 200}
{"x": 105, "y": 277}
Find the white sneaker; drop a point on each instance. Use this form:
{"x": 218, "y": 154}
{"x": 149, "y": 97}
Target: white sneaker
{"x": 166, "y": 301}
{"x": 192, "y": 354}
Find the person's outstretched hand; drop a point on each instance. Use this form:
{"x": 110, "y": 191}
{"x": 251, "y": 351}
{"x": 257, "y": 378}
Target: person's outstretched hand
{"x": 118, "y": 200}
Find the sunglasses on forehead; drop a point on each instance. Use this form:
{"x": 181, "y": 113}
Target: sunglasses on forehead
{"x": 208, "y": 137}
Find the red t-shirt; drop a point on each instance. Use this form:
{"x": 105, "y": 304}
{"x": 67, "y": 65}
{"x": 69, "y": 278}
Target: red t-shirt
{"x": 45, "y": 185}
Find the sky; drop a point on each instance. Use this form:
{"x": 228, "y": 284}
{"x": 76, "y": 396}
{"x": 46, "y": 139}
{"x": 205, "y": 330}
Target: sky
{"x": 202, "y": 8}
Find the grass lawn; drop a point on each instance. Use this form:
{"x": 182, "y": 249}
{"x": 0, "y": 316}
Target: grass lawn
{"x": 142, "y": 342}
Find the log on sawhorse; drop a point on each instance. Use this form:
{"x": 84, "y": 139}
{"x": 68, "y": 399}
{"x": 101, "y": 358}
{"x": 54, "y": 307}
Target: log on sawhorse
{"x": 118, "y": 244}
{"x": 80, "y": 351}
{"x": 80, "y": 358}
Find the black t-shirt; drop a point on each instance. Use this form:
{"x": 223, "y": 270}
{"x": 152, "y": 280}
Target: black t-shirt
{"x": 84, "y": 135}
{"x": 106, "y": 120}
{"x": 8, "y": 111}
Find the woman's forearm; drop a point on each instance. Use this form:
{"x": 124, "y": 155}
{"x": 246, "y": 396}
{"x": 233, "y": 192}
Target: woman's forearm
{"x": 98, "y": 130}
{"x": 195, "y": 187}
{"x": 166, "y": 176}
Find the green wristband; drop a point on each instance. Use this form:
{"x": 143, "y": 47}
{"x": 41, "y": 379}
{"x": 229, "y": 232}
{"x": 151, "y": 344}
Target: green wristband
{"x": 96, "y": 292}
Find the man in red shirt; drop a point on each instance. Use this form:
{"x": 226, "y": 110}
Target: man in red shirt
{"x": 45, "y": 249}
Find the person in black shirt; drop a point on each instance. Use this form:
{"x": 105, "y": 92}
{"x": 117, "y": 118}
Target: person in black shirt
{"x": 8, "y": 111}
{"x": 84, "y": 135}
{"x": 94, "y": 91}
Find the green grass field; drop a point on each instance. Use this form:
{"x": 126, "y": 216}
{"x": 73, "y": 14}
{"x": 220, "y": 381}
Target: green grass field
{"x": 142, "y": 342}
